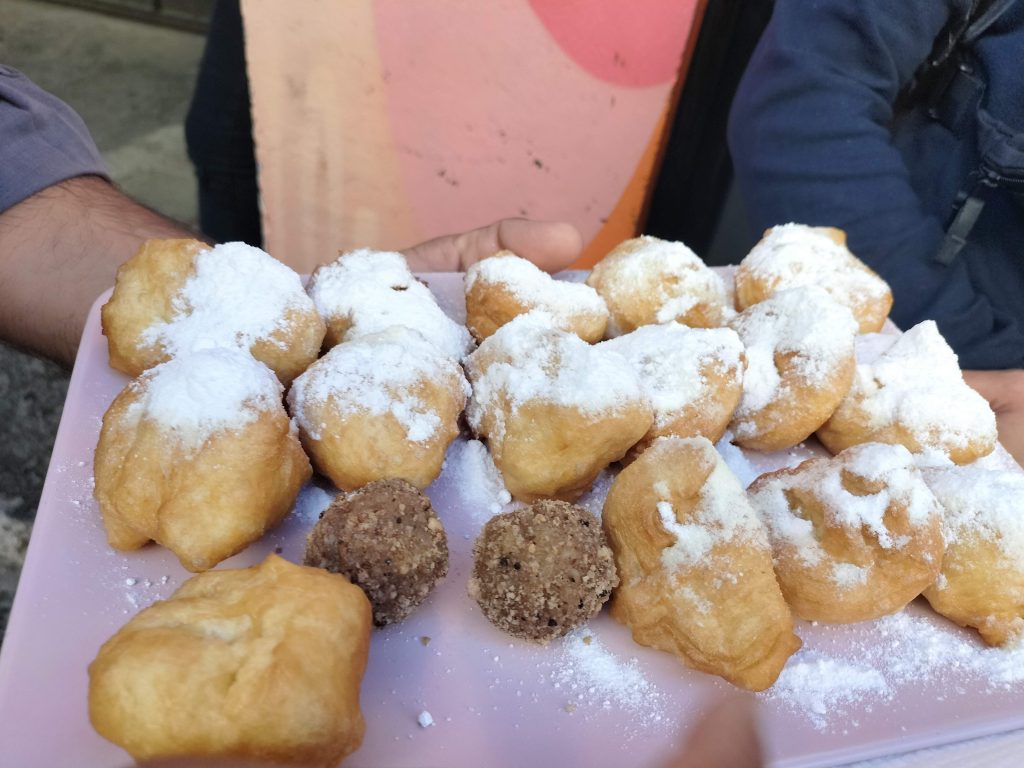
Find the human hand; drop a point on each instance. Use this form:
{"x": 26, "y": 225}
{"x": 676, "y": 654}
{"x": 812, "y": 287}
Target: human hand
{"x": 726, "y": 737}
{"x": 1004, "y": 391}
{"x": 550, "y": 245}
{"x": 59, "y": 249}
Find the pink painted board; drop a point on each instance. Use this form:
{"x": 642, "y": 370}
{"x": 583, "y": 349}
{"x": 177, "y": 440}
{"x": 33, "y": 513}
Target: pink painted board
{"x": 495, "y": 701}
{"x": 383, "y": 123}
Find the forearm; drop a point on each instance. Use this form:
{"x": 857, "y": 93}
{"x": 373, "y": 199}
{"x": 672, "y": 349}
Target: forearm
{"x": 60, "y": 249}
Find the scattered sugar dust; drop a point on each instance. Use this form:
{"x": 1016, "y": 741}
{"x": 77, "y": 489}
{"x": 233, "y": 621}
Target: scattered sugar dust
{"x": 140, "y": 592}
{"x": 595, "y": 679}
{"x": 818, "y": 687}
{"x": 471, "y": 471}
{"x": 877, "y": 659}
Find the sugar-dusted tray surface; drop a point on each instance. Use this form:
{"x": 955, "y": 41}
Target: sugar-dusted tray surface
{"x": 853, "y": 692}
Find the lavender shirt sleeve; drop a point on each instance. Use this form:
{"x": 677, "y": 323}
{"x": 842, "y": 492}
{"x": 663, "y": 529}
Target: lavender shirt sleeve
{"x": 42, "y": 140}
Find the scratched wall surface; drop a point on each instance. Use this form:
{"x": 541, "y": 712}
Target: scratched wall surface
{"x": 386, "y": 123}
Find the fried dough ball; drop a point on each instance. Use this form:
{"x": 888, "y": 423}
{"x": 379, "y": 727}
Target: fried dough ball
{"x": 505, "y": 286}
{"x": 387, "y": 539}
{"x": 541, "y": 571}
{"x": 695, "y": 565}
{"x": 365, "y": 292}
{"x": 913, "y": 395}
{"x": 554, "y": 410}
{"x": 198, "y": 455}
{"x": 982, "y": 579}
{"x": 795, "y": 255}
{"x": 800, "y": 362}
{"x": 646, "y": 281}
{"x": 386, "y": 405}
{"x": 179, "y": 296}
{"x": 693, "y": 378}
{"x": 855, "y": 536}
{"x": 261, "y": 663}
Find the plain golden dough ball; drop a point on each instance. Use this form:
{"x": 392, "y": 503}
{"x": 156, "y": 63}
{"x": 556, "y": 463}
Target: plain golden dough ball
{"x": 695, "y": 565}
{"x": 541, "y": 571}
{"x": 982, "y": 579}
{"x": 387, "y": 539}
{"x": 855, "y": 536}
{"x": 199, "y": 455}
{"x": 386, "y": 405}
{"x": 692, "y": 377}
{"x": 261, "y": 663}
{"x": 800, "y": 362}
{"x": 505, "y": 286}
{"x": 646, "y": 280}
{"x": 912, "y": 394}
{"x": 795, "y": 255}
{"x": 365, "y": 292}
{"x": 179, "y": 296}
{"x": 553, "y": 409}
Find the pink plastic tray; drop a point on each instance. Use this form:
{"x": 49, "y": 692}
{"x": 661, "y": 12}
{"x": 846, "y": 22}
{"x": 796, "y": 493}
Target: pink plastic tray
{"x": 495, "y": 701}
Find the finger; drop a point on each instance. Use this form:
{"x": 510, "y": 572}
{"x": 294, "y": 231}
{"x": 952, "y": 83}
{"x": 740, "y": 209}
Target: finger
{"x": 726, "y": 737}
{"x": 1004, "y": 390}
{"x": 549, "y": 245}
{"x": 982, "y": 382}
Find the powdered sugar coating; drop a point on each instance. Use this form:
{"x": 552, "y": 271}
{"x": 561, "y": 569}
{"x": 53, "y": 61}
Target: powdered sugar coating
{"x": 722, "y": 514}
{"x": 666, "y": 273}
{"x": 528, "y": 359}
{"x": 795, "y": 255}
{"x": 371, "y": 291}
{"x": 982, "y": 503}
{"x": 890, "y": 468}
{"x": 377, "y": 374}
{"x": 536, "y": 288}
{"x": 814, "y": 332}
{"x": 916, "y": 383}
{"x": 671, "y": 359}
{"x": 237, "y": 296}
{"x": 871, "y": 346}
{"x": 194, "y": 396}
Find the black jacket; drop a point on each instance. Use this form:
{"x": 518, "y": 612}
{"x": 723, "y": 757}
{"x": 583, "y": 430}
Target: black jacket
{"x": 815, "y": 138}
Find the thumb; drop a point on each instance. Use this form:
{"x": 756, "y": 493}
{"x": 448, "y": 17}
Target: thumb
{"x": 726, "y": 737}
{"x": 550, "y": 245}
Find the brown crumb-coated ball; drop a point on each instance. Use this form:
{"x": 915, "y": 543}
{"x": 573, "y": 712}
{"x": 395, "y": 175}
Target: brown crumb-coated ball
{"x": 387, "y": 539}
{"x": 541, "y": 571}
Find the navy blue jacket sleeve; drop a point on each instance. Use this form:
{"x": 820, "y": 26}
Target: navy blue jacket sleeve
{"x": 42, "y": 140}
{"x": 811, "y": 142}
